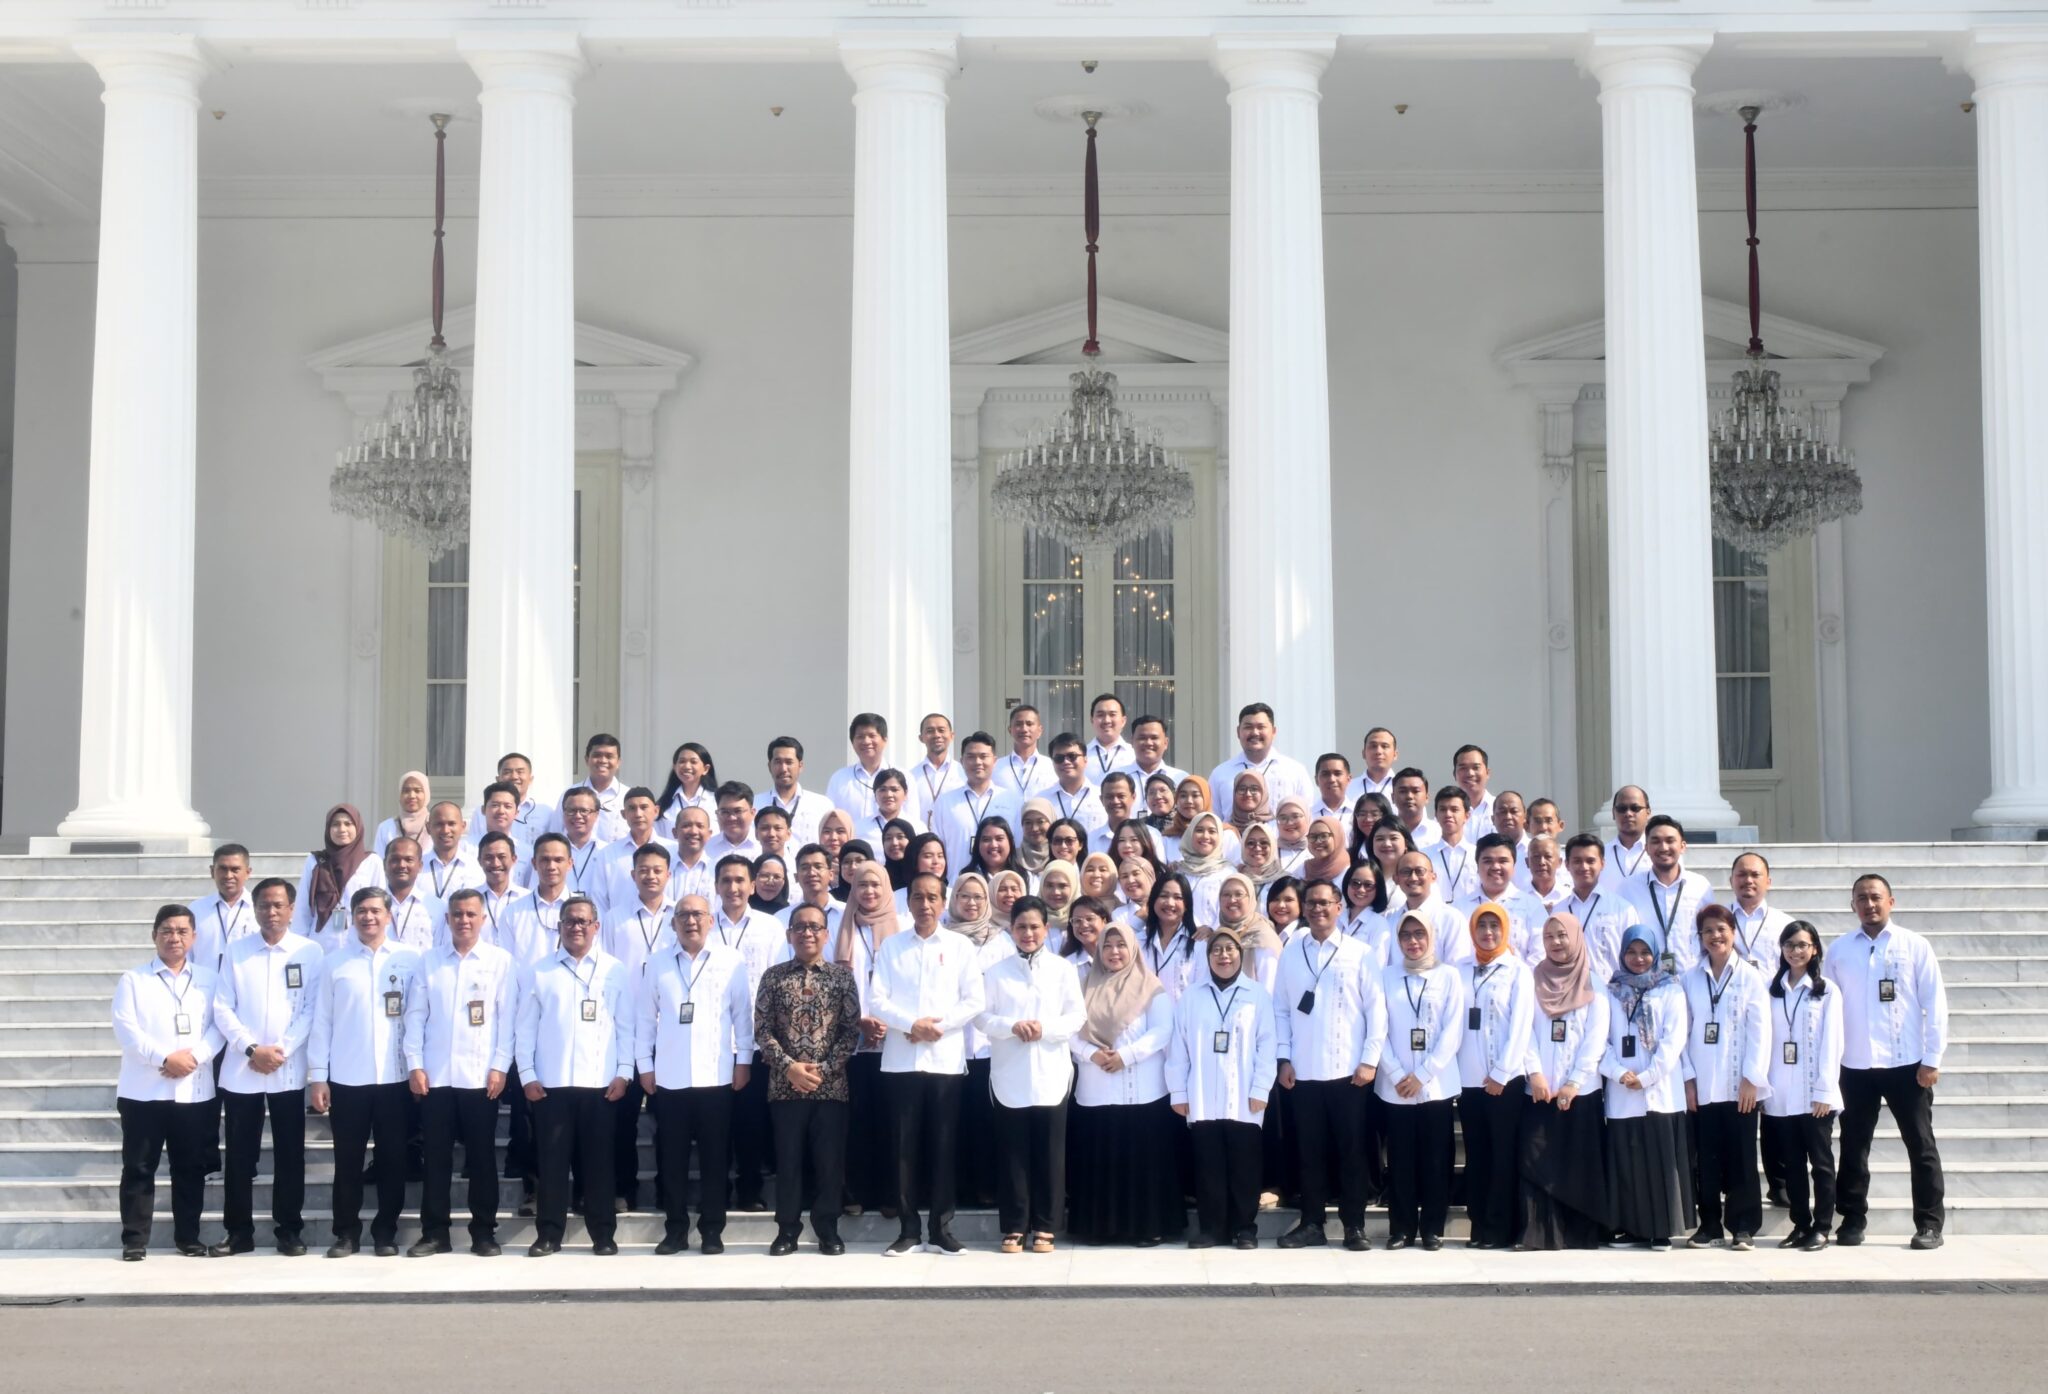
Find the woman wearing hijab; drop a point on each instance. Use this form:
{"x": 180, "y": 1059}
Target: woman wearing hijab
{"x": 971, "y": 913}
{"x": 1098, "y": 876}
{"x": 1034, "y": 825}
{"x": 1169, "y": 938}
{"x": 1059, "y": 886}
{"x": 415, "y": 797}
{"x": 1328, "y": 859}
{"x": 970, "y": 910}
{"x": 1204, "y": 864}
{"x": 1417, "y": 1080}
{"x": 1648, "y": 1165}
{"x": 835, "y": 830}
{"x": 1005, "y": 889}
{"x": 1249, "y": 802}
{"x": 1257, "y": 859}
{"x": 1492, "y": 1064}
{"x": 771, "y": 884}
{"x": 1291, "y": 823}
{"x": 1806, "y": 1083}
{"x": 854, "y": 854}
{"x": 1237, "y": 911}
{"x": 1220, "y": 1068}
{"x": 333, "y": 875}
{"x": 1190, "y": 801}
{"x": 1565, "y": 1202}
{"x": 868, "y": 922}
{"x": 896, "y": 836}
{"x": 1123, "y": 1172}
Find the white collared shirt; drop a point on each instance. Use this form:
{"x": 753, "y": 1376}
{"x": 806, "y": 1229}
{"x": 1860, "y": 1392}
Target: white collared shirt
{"x": 917, "y": 977}
{"x": 929, "y": 783}
{"x": 1044, "y": 989}
{"x": 636, "y": 935}
{"x": 1674, "y": 910}
{"x": 760, "y": 939}
{"x": 465, "y": 1017}
{"x": 1526, "y": 915}
{"x": 1285, "y": 776}
{"x": 1657, "y": 1021}
{"x": 1142, "y": 1046}
{"x": 458, "y": 873}
{"x": 1504, "y": 993}
{"x": 611, "y": 811}
{"x": 1623, "y": 864}
{"x": 1108, "y": 759}
{"x": 705, "y": 798}
{"x": 1453, "y": 934}
{"x": 1734, "y": 1006}
{"x": 1912, "y": 1028}
{"x": 1363, "y": 783}
{"x": 711, "y": 988}
{"x": 556, "y": 1045}
{"x": 1567, "y": 1049}
{"x": 1143, "y": 776}
{"x": 615, "y": 874}
{"x": 1433, "y": 1003}
{"x": 150, "y": 1004}
{"x": 264, "y": 996}
{"x": 416, "y": 920}
{"x": 1347, "y": 1021}
{"x": 1025, "y": 776}
{"x": 806, "y": 811}
{"x": 534, "y": 817}
{"x": 1814, "y": 1026}
{"x": 718, "y": 847}
{"x": 1175, "y": 962}
{"x": 1605, "y": 916}
{"x": 337, "y": 926}
{"x": 960, "y": 811}
{"x": 1457, "y": 871}
{"x": 358, "y": 1038}
{"x": 692, "y": 878}
{"x": 217, "y": 925}
{"x": 1425, "y": 834}
{"x": 853, "y": 789}
{"x": 1219, "y": 1085}
{"x": 1084, "y": 808}
{"x": 512, "y": 922}
{"x": 1756, "y": 935}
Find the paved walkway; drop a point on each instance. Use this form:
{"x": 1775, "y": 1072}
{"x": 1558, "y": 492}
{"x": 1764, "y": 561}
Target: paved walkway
{"x": 28, "y": 1277}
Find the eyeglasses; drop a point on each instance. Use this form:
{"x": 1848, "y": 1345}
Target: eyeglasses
{"x": 1066, "y": 757}
{"x": 1631, "y": 808}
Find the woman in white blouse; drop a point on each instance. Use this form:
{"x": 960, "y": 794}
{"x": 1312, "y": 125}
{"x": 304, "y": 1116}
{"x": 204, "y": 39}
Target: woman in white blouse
{"x": 1135, "y": 878}
{"x": 1123, "y": 1179}
{"x": 1493, "y": 1063}
{"x": 1806, "y": 1082}
{"x": 1417, "y": 1080}
{"x": 1220, "y": 1069}
{"x": 1565, "y": 1200}
{"x": 1364, "y": 916}
{"x": 415, "y": 795}
{"x": 1647, "y": 1162}
{"x": 1168, "y": 941}
{"x": 1204, "y": 862}
{"x": 332, "y": 876}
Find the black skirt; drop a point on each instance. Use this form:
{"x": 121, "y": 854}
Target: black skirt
{"x": 1650, "y": 1174}
{"x": 1123, "y": 1173}
{"x": 1566, "y": 1201}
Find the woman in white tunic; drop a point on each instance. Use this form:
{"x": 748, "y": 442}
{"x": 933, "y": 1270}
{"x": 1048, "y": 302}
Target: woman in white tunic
{"x": 1727, "y": 1072}
{"x": 1565, "y": 1200}
{"x": 1647, "y": 1162}
{"x": 1219, "y": 1073}
{"x": 1417, "y": 1080}
{"x": 415, "y": 797}
{"x": 1168, "y": 942}
{"x": 1493, "y": 1065}
{"x": 1364, "y": 916}
{"x": 1806, "y": 1082}
{"x": 1205, "y": 864}
{"x": 332, "y": 876}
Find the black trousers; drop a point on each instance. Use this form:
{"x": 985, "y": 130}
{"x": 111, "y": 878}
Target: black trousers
{"x": 242, "y": 1117}
{"x": 1329, "y": 1118}
{"x": 520, "y": 1158}
{"x": 149, "y": 1127}
{"x": 681, "y": 1117}
{"x": 1912, "y": 1108}
{"x": 1772, "y": 1149}
{"x": 470, "y": 1116}
{"x": 1727, "y": 1144}
{"x": 362, "y": 1113}
{"x": 1031, "y": 1144}
{"x": 1493, "y": 1156}
{"x": 978, "y": 1170}
{"x": 1229, "y": 1157}
{"x": 626, "y": 1143}
{"x": 925, "y": 1112}
{"x": 1418, "y": 1168}
{"x": 574, "y": 1125}
{"x": 870, "y": 1141}
{"x": 1808, "y": 1144}
{"x": 813, "y": 1132}
{"x": 751, "y": 1146}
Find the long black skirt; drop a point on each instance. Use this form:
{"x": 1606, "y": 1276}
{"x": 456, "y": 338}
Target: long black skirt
{"x": 1566, "y": 1201}
{"x": 1650, "y": 1173}
{"x": 1123, "y": 1173}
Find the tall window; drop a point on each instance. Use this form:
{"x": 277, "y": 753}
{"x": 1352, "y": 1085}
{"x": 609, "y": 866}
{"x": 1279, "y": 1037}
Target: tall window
{"x": 1098, "y": 625}
{"x": 1742, "y": 657}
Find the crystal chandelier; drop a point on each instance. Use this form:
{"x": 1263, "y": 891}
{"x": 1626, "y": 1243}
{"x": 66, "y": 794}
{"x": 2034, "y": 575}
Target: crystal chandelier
{"x": 1092, "y": 481}
{"x": 1773, "y": 479}
{"x": 409, "y": 472}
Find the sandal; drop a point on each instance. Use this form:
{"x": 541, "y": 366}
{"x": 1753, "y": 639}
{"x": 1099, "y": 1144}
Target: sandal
{"x": 1041, "y": 1243}
{"x": 1013, "y": 1244}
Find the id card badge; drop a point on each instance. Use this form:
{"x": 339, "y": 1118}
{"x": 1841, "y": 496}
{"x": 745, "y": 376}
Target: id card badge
{"x": 1557, "y": 1030}
{"x": 1887, "y": 990}
{"x": 686, "y": 1012}
{"x": 294, "y": 976}
{"x": 1628, "y": 1047}
{"x": 1418, "y": 1038}
{"x": 394, "y": 1004}
{"x": 1220, "y": 1042}
{"x": 1472, "y": 1018}
{"x": 182, "y": 1023}
{"x": 1791, "y": 1052}
{"x": 590, "y": 1009}
{"x": 1710, "y": 1033}
{"x": 476, "y": 1013}
{"x": 1670, "y": 963}
{"x": 1307, "y": 1003}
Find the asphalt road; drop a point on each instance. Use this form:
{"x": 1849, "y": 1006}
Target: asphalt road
{"x": 1191, "y": 1345}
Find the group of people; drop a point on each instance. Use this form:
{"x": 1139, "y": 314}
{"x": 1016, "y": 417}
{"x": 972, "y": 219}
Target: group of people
{"x": 1083, "y": 985}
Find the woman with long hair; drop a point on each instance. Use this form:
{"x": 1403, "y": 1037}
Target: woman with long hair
{"x": 1168, "y": 942}
{"x": 1134, "y": 839}
{"x": 1363, "y": 915}
{"x": 1806, "y": 1083}
{"x": 993, "y": 848}
{"x": 1067, "y": 841}
{"x": 692, "y": 783}
{"x": 1368, "y": 813}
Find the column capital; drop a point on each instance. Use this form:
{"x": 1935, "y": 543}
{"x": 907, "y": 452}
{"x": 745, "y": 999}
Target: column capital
{"x": 1284, "y": 61}
{"x": 169, "y": 65}
{"x": 2013, "y": 54}
{"x": 899, "y": 61}
{"x": 1645, "y": 58}
{"x": 535, "y": 62}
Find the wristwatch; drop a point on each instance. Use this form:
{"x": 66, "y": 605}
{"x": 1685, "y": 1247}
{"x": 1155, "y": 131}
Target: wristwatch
{"x": 248, "y": 1052}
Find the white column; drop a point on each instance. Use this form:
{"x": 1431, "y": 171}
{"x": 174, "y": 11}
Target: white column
{"x": 522, "y": 638}
{"x": 2012, "y": 270}
{"x": 135, "y": 710}
{"x": 899, "y": 592}
{"x": 967, "y": 713}
{"x": 640, "y": 577}
{"x": 1660, "y": 559}
{"x": 1282, "y": 644}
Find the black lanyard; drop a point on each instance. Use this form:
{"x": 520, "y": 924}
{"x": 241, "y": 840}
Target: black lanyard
{"x": 441, "y": 876}
{"x": 1749, "y": 944}
{"x": 1316, "y": 974}
{"x": 1224, "y": 1004}
{"x": 640, "y": 914}
{"x": 1666, "y": 917}
{"x": 1444, "y": 859}
{"x": 1480, "y": 980}
{"x": 1791, "y": 1009}
{"x": 690, "y": 983}
{"x": 1642, "y": 996}
{"x": 1030, "y": 768}
{"x": 582, "y": 983}
{"x": 1102, "y": 754}
{"x": 967, "y": 797}
{"x": 177, "y": 995}
{"x": 580, "y": 870}
{"x": 1067, "y": 809}
{"x": 1161, "y": 959}
{"x": 1714, "y": 996}
{"x": 1415, "y": 999}
{"x": 745, "y": 924}
{"x": 1619, "y": 852}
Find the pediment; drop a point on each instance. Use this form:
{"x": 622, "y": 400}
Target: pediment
{"x": 1129, "y": 334}
{"x": 606, "y": 360}
{"x": 1800, "y": 351}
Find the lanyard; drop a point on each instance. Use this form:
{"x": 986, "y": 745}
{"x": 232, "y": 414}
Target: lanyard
{"x": 405, "y": 921}
{"x": 1224, "y": 1004}
{"x": 1714, "y": 995}
{"x": 967, "y": 797}
{"x": 1161, "y": 958}
{"x": 1791, "y": 1009}
{"x": 790, "y": 807}
{"x": 646, "y": 938}
{"x": 1621, "y": 853}
{"x": 227, "y": 928}
{"x": 1443, "y": 856}
{"x": 1642, "y": 996}
{"x": 1316, "y": 974}
{"x": 1665, "y": 916}
{"x": 932, "y": 790}
{"x": 1415, "y": 999}
{"x": 1480, "y": 980}
{"x": 745, "y": 925}
{"x": 1102, "y": 754}
{"x": 690, "y": 983}
{"x": 1749, "y": 939}
{"x": 1067, "y": 809}
{"x": 441, "y": 875}
{"x": 583, "y": 983}
{"x": 580, "y": 870}
{"x": 1030, "y": 769}
{"x": 1591, "y": 906}
{"x": 178, "y": 995}
{"x": 540, "y": 913}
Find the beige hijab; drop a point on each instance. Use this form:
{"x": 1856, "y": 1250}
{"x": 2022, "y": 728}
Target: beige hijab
{"x": 883, "y": 922}
{"x": 979, "y": 931}
{"x": 1254, "y": 931}
{"x": 1115, "y": 1000}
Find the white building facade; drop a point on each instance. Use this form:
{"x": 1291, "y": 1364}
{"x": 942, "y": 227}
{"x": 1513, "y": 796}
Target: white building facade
{"x": 1436, "y": 300}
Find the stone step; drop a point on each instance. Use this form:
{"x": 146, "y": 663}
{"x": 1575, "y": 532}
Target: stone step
{"x": 169, "y": 864}
{"x": 1996, "y": 1050}
{"x": 1885, "y": 857}
{"x": 1998, "y": 1079}
{"x": 22, "y": 1011}
{"x": 19, "y": 1065}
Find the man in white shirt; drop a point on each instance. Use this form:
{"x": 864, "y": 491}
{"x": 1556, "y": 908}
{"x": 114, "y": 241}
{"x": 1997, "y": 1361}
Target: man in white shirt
{"x": 499, "y": 813}
{"x": 641, "y": 812}
{"x": 693, "y": 872}
{"x": 1511, "y": 821}
{"x": 511, "y": 922}
{"x": 938, "y": 773}
{"x": 853, "y": 788}
{"x": 1148, "y": 753}
{"x": 1411, "y": 809}
{"x": 1415, "y": 876}
{"x": 356, "y": 1067}
{"x": 1546, "y": 821}
{"x": 760, "y": 940}
{"x": 1469, "y": 768}
{"x": 1380, "y": 751}
{"x": 693, "y": 1043}
{"x": 601, "y": 766}
{"x": 1627, "y": 854}
{"x": 812, "y": 870}
{"x": 497, "y": 858}
{"x": 1330, "y": 1023}
{"x": 224, "y": 916}
{"x": 1606, "y": 916}
{"x": 926, "y": 990}
{"x": 804, "y": 807}
{"x": 1333, "y": 781}
{"x": 771, "y": 830}
{"x": 961, "y": 811}
{"x": 636, "y": 934}
{"x": 1119, "y": 795}
{"x": 530, "y": 816}
{"x": 1494, "y": 863}
{"x": 415, "y": 914}
{"x": 450, "y": 861}
{"x": 1757, "y": 924}
{"x": 1894, "y": 1034}
{"x": 1668, "y": 896}
{"x": 1286, "y": 777}
{"x": 574, "y": 1045}
{"x": 1457, "y": 875}
{"x": 735, "y": 835}
{"x": 1024, "y": 772}
{"x": 163, "y": 1023}
{"x": 463, "y": 1031}
{"x": 1109, "y": 750}
{"x": 1543, "y": 864}
{"x": 263, "y": 1004}
{"x": 579, "y": 816}
{"x": 1032, "y": 1008}
{"x": 1073, "y": 796}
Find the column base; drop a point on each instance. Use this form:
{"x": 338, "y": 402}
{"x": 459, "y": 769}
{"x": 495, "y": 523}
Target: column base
{"x": 2001, "y": 832}
{"x": 119, "y": 847}
{"x": 178, "y": 829}
{"x": 2017, "y": 808}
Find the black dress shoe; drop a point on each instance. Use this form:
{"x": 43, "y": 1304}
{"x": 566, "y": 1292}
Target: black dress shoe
{"x": 784, "y": 1245}
{"x": 1354, "y": 1240}
{"x": 427, "y": 1245}
{"x": 1201, "y": 1241}
{"x": 1151, "y": 1243}
{"x": 832, "y": 1246}
{"x": 1304, "y": 1236}
{"x": 387, "y": 1248}
{"x": 1814, "y": 1242}
{"x": 711, "y": 1244}
{"x": 1248, "y": 1239}
{"x": 1927, "y": 1239}
{"x": 1849, "y": 1236}
{"x": 1478, "y": 1244}
{"x": 541, "y": 1248}
{"x": 485, "y": 1248}
{"x": 293, "y": 1247}
{"x": 671, "y": 1246}
{"x": 195, "y": 1251}
{"x": 605, "y": 1248}
{"x": 342, "y": 1248}
{"x": 1795, "y": 1238}
{"x": 1431, "y": 1243}
{"x": 1399, "y": 1241}
{"x": 134, "y": 1253}
{"x": 233, "y": 1246}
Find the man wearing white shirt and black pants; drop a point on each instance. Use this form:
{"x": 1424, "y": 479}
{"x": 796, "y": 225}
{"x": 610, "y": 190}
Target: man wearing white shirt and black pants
{"x": 1668, "y": 896}
{"x": 615, "y": 878}
{"x": 1286, "y": 778}
{"x": 459, "y": 1055}
{"x": 163, "y": 1022}
{"x": 1457, "y": 875}
{"x": 415, "y": 915}
{"x": 357, "y": 1067}
{"x": 263, "y": 1004}
{"x": 450, "y": 862}
{"x": 636, "y": 937}
{"x": 1894, "y": 1033}
{"x": 1031, "y": 1009}
{"x": 926, "y": 990}
{"x": 574, "y": 1045}
{"x": 760, "y": 941}
{"x": 938, "y": 774}
{"x": 693, "y": 1040}
{"x": 1757, "y": 927}
{"x": 225, "y": 916}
